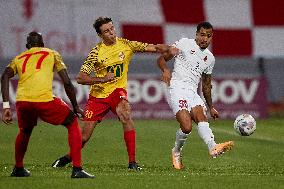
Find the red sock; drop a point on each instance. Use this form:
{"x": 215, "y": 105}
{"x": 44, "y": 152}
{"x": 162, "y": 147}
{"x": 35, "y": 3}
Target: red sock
{"x": 75, "y": 142}
{"x": 69, "y": 154}
{"x": 130, "y": 142}
{"x": 21, "y": 145}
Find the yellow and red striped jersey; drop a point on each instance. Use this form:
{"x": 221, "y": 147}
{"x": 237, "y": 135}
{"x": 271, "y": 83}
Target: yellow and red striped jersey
{"x": 114, "y": 58}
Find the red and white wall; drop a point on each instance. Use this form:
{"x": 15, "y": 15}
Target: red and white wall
{"x": 247, "y": 28}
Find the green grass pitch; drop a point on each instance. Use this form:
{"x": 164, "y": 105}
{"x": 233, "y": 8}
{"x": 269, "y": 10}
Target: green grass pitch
{"x": 256, "y": 161}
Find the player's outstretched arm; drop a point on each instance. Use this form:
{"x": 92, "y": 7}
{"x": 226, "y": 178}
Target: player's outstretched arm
{"x": 86, "y": 79}
{"x": 7, "y": 113}
{"x": 70, "y": 91}
{"x": 159, "y": 48}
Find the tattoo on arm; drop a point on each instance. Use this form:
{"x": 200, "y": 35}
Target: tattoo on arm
{"x": 206, "y": 89}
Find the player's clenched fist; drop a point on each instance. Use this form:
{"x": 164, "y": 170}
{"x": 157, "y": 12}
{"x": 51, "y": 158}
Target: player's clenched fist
{"x": 108, "y": 77}
{"x": 7, "y": 116}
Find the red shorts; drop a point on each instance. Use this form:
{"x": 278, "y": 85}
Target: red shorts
{"x": 97, "y": 108}
{"x": 53, "y": 112}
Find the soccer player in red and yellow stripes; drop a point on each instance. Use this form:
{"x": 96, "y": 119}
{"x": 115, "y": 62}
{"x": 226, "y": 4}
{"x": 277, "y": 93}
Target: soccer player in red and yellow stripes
{"x": 35, "y": 68}
{"x": 110, "y": 58}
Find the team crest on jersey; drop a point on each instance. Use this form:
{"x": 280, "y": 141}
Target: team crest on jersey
{"x": 103, "y": 61}
{"x": 121, "y": 56}
{"x": 192, "y": 51}
{"x": 205, "y": 58}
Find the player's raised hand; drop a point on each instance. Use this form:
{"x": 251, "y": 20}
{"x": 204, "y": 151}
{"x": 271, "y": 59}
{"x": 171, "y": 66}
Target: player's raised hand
{"x": 79, "y": 112}
{"x": 166, "y": 76}
{"x": 7, "y": 116}
{"x": 214, "y": 113}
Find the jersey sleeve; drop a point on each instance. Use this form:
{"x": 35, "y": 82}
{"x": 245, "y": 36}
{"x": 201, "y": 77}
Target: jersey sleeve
{"x": 209, "y": 70}
{"x": 13, "y": 66}
{"x": 89, "y": 64}
{"x": 136, "y": 46}
{"x": 58, "y": 62}
{"x": 178, "y": 44}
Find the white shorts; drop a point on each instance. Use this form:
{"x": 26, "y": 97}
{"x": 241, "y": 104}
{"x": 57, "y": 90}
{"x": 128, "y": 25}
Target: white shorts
{"x": 180, "y": 98}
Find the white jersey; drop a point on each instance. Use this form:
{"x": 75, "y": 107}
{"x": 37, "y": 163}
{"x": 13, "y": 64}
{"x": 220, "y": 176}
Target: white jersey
{"x": 191, "y": 63}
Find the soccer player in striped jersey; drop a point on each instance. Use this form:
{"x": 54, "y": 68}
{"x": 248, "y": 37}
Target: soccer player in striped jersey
{"x": 192, "y": 62}
{"x": 110, "y": 58}
{"x": 35, "y": 68}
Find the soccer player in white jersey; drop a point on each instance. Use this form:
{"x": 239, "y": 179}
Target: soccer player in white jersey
{"x": 192, "y": 62}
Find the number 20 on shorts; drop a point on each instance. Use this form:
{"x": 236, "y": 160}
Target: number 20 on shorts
{"x": 89, "y": 114}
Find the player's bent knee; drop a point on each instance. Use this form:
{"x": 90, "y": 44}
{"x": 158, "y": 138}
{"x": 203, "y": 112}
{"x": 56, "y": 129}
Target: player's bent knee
{"x": 69, "y": 119}
{"x": 186, "y": 129}
{"x": 125, "y": 117}
{"x": 199, "y": 114}
{"x": 86, "y": 135}
{"x": 123, "y": 111}
{"x": 87, "y": 131}
{"x": 85, "y": 139}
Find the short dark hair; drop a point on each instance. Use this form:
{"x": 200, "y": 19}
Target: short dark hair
{"x": 205, "y": 25}
{"x": 34, "y": 39}
{"x": 99, "y": 22}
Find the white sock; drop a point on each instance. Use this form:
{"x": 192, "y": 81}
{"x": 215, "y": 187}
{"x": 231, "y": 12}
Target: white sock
{"x": 206, "y": 134}
{"x": 180, "y": 140}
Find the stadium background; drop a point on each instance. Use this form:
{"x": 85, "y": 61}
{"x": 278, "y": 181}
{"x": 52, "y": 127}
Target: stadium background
{"x": 248, "y": 45}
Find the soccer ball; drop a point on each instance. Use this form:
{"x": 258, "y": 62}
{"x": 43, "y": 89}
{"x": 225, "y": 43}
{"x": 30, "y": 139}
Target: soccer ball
{"x": 245, "y": 124}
